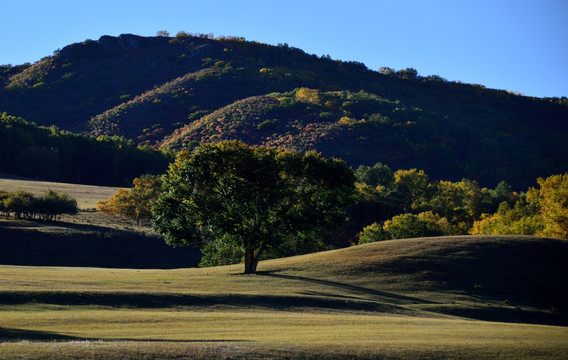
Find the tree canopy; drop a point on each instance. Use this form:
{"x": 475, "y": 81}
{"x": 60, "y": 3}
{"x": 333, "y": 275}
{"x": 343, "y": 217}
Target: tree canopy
{"x": 413, "y": 207}
{"x": 253, "y": 197}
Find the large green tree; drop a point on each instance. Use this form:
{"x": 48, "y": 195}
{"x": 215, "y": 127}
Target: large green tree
{"x": 252, "y": 196}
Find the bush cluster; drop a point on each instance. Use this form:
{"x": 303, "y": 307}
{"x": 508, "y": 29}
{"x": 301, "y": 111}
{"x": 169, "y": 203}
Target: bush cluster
{"x": 24, "y": 205}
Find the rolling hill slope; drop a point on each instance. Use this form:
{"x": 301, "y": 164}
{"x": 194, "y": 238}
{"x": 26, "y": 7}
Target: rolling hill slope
{"x": 456, "y": 297}
{"x": 89, "y": 238}
{"x": 364, "y": 128}
{"x": 511, "y": 279}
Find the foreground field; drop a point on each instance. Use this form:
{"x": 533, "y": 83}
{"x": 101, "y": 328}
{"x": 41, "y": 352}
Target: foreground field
{"x": 456, "y": 297}
{"x": 96, "y": 333}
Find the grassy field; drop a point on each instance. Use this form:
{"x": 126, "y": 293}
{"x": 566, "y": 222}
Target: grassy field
{"x": 97, "y": 333}
{"x": 86, "y": 195}
{"x": 440, "y": 298}
{"x": 370, "y": 301}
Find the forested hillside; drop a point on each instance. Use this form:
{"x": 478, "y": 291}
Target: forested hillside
{"x": 52, "y": 154}
{"x": 175, "y": 92}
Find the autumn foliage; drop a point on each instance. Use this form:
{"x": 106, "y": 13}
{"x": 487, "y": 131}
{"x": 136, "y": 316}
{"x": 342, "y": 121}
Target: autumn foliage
{"x": 542, "y": 211}
{"x": 135, "y": 203}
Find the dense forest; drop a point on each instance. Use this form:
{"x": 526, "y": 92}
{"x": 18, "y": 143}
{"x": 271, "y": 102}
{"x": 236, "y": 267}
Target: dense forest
{"x": 176, "y": 92}
{"x": 52, "y": 154}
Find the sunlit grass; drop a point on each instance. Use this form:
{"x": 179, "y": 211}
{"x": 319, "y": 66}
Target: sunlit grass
{"x": 86, "y": 195}
{"x": 266, "y": 332}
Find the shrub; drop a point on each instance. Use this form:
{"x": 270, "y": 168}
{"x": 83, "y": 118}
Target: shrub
{"x": 49, "y": 206}
{"x": 405, "y": 226}
{"x": 306, "y": 95}
{"x": 372, "y": 233}
{"x": 266, "y": 125}
{"x": 326, "y": 115}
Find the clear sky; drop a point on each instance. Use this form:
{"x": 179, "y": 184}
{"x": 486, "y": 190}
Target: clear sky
{"x": 516, "y": 45}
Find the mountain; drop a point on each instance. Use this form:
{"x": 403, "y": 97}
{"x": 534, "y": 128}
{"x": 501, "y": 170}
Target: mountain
{"x": 177, "y": 92}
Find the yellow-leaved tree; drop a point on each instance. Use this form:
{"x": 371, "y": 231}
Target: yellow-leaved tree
{"x": 542, "y": 212}
{"x": 553, "y": 200}
{"x": 135, "y": 203}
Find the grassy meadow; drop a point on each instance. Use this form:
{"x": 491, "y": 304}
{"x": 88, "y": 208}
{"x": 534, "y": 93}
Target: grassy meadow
{"x": 447, "y": 298}
{"x": 86, "y": 195}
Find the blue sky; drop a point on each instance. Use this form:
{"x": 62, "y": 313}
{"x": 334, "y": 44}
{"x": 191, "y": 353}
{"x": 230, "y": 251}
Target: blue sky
{"x": 516, "y": 45}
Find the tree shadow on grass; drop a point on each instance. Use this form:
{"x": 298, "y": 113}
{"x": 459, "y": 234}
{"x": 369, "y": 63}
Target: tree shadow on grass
{"x": 16, "y": 335}
{"x": 382, "y": 296}
{"x": 36, "y": 224}
{"x": 247, "y": 301}
{"x": 22, "y": 334}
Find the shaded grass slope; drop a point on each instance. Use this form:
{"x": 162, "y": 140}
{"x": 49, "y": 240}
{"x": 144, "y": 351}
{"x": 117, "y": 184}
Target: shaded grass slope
{"x": 89, "y": 239}
{"x": 495, "y": 278}
{"x": 71, "y": 244}
{"x": 504, "y": 278}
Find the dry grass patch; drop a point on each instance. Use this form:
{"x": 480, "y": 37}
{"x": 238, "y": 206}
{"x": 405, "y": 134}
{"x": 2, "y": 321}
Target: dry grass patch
{"x": 86, "y": 195}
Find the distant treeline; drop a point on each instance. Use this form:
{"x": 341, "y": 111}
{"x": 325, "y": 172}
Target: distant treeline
{"x": 52, "y": 154}
{"x": 24, "y": 205}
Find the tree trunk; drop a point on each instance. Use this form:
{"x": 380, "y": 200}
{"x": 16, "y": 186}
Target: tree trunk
{"x": 251, "y": 262}
{"x": 252, "y": 259}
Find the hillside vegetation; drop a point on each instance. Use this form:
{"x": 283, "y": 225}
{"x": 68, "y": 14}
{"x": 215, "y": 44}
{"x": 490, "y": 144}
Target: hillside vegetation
{"x": 364, "y": 128}
{"x": 179, "y": 91}
{"x": 401, "y": 298}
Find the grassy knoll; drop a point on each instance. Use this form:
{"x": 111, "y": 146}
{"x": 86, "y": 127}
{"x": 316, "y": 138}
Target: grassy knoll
{"x": 91, "y": 293}
{"x": 455, "y": 297}
{"x": 88, "y": 239}
{"x": 86, "y": 195}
